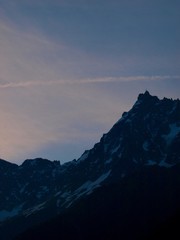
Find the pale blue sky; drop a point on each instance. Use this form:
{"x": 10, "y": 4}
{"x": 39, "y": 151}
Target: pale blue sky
{"x": 70, "y": 68}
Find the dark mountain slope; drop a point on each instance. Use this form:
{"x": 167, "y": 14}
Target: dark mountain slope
{"x": 142, "y": 206}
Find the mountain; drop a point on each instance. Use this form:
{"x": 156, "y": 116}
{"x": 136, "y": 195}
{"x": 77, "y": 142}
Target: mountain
{"x": 135, "y": 164}
{"x": 143, "y": 206}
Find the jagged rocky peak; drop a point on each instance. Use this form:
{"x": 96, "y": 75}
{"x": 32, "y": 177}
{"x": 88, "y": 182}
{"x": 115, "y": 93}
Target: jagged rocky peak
{"x": 39, "y": 162}
{"x": 144, "y": 101}
{"x": 147, "y": 134}
{"x": 148, "y": 106}
{"x": 146, "y": 97}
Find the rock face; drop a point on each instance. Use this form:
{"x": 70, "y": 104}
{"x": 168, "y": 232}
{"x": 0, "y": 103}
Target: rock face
{"x": 147, "y": 136}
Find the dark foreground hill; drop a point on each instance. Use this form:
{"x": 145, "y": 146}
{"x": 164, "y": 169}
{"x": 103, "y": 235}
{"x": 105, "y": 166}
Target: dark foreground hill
{"x": 143, "y": 206}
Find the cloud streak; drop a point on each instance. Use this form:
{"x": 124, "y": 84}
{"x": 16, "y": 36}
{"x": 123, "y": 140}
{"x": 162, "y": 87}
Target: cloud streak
{"x": 34, "y": 83}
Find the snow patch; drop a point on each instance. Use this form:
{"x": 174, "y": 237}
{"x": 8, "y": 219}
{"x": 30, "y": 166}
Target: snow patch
{"x": 89, "y": 185}
{"x": 106, "y": 147}
{"x": 120, "y": 155}
{"x": 135, "y": 161}
{"x": 151, "y": 163}
{"x": 124, "y": 116}
{"x": 174, "y": 130}
{"x": 128, "y": 121}
{"x": 65, "y": 194}
{"x": 146, "y": 146}
{"x": 84, "y": 156}
{"x": 165, "y": 164}
{"x": 108, "y": 161}
{"x": 58, "y": 193}
{"x": 45, "y": 189}
{"x": 86, "y": 189}
{"x": 116, "y": 148}
{"x": 4, "y": 214}
{"x": 23, "y": 188}
{"x": 30, "y": 211}
{"x": 137, "y": 103}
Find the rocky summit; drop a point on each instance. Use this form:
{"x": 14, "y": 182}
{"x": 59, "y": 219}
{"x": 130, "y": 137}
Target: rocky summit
{"x": 143, "y": 145}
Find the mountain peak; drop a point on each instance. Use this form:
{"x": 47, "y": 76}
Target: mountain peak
{"x": 145, "y": 95}
{"x": 147, "y": 98}
{"x": 39, "y": 162}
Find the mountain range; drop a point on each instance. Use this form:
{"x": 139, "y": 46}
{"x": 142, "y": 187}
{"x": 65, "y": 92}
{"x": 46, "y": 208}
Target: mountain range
{"x": 127, "y": 186}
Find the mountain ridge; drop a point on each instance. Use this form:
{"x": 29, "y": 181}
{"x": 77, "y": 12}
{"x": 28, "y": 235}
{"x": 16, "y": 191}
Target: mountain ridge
{"x": 148, "y": 135}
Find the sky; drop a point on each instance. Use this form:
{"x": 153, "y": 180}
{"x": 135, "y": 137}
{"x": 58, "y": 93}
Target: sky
{"x": 70, "y": 68}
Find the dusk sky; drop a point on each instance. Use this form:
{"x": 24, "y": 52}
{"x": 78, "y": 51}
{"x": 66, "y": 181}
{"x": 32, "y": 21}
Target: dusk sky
{"x": 70, "y": 68}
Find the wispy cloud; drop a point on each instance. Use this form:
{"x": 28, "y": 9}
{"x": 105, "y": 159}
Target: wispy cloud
{"x": 27, "y": 55}
{"x": 30, "y": 58}
{"x": 35, "y": 83}
{"x": 127, "y": 79}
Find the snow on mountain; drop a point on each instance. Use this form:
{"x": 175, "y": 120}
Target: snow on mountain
{"x": 149, "y": 134}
